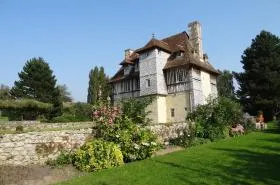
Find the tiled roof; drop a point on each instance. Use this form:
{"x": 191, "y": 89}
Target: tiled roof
{"x": 177, "y": 42}
{"x": 131, "y": 59}
{"x": 171, "y": 45}
{"x": 154, "y": 43}
{"x": 192, "y": 61}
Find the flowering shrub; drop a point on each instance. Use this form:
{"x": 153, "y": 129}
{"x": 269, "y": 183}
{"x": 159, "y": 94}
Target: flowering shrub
{"x": 113, "y": 125}
{"x": 105, "y": 118}
{"x": 136, "y": 143}
{"x": 96, "y": 155}
{"x": 214, "y": 119}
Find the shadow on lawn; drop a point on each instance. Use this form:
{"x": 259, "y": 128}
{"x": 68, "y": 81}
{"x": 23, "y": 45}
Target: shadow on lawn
{"x": 273, "y": 127}
{"x": 251, "y": 165}
{"x": 257, "y": 166}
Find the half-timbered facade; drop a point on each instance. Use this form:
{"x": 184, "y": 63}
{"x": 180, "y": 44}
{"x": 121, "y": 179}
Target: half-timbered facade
{"x": 174, "y": 70}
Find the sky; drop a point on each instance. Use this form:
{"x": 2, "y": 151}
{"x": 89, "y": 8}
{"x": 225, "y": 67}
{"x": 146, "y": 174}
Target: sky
{"x": 75, "y": 36}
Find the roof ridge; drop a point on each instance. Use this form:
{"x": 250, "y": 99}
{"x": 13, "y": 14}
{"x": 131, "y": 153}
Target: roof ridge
{"x": 175, "y": 35}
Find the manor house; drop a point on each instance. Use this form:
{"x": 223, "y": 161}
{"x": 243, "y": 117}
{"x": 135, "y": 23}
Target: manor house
{"x": 174, "y": 70}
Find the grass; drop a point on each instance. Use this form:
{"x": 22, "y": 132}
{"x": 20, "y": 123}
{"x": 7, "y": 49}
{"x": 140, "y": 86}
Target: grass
{"x": 251, "y": 159}
{"x": 3, "y": 118}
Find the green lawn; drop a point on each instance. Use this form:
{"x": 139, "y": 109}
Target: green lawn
{"x": 3, "y": 118}
{"x": 251, "y": 159}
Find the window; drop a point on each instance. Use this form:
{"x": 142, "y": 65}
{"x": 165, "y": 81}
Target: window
{"x": 172, "y": 112}
{"x": 180, "y": 75}
{"x": 148, "y": 82}
{"x": 128, "y": 85}
{"x": 137, "y": 84}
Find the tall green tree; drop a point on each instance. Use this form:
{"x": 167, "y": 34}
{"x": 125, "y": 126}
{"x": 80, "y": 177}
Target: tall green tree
{"x": 4, "y": 92}
{"x": 260, "y": 81}
{"x": 36, "y": 81}
{"x": 99, "y": 88}
{"x": 64, "y": 93}
{"x": 225, "y": 84}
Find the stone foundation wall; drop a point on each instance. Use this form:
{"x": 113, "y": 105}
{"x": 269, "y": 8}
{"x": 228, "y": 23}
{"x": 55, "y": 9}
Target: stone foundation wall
{"x": 165, "y": 132}
{"x": 38, "y": 147}
{"x": 29, "y": 126}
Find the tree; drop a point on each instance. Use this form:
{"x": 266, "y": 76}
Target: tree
{"x": 99, "y": 88}
{"x": 225, "y": 84}
{"x": 64, "y": 93}
{"x": 4, "y": 92}
{"x": 260, "y": 81}
{"x": 36, "y": 81}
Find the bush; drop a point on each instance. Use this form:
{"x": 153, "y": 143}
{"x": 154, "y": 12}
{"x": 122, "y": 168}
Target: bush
{"x": 185, "y": 138}
{"x": 68, "y": 118}
{"x": 63, "y": 159}
{"x": 19, "y": 128}
{"x": 24, "y": 109}
{"x": 214, "y": 120}
{"x": 96, "y": 155}
{"x": 135, "y": 109}
{"x": 248, "y": 125}
{"x": 135, "y": 141}
{"x": 74, "y": 113}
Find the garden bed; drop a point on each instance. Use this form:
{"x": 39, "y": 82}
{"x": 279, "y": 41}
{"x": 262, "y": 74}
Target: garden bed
{"x": 249, "y": 159}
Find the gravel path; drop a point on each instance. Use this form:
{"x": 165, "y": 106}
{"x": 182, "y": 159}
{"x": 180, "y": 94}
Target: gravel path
{"x": 35, "y": 175}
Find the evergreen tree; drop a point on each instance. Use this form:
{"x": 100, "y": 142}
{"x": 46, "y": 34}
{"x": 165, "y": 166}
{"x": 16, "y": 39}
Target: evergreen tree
{"x": 99, "y": 87}
{"x": 93, "y": 86}
{"x": 36, "y": 81}
{"x": 225, "y": 84}
{"x": 260, "y": 81}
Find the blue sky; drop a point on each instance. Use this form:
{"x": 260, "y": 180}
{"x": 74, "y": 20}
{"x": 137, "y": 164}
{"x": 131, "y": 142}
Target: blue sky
{"x": 74, "y": 36}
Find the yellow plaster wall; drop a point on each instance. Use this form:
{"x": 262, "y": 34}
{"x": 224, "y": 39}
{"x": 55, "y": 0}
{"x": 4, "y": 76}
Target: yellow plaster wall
{"x": 153, "y": 107}
{"x": 161, "y": 105}
{"x": 178, "y": 101}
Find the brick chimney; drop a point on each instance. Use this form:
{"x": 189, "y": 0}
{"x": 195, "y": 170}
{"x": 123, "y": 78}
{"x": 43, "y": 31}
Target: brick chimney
{"x": 127, "y": 52}
{"x": 194, "y": 30}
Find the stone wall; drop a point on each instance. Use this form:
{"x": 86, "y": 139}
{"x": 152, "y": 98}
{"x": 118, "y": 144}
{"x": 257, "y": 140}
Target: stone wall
{"x": 165, "y": 132}
{"x": 38, "y": 147}
{"x": 37, "y": 126}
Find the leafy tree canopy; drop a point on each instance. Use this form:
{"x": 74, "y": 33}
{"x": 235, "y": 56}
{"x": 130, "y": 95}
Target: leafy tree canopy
{"x": 260, "y": 81}
{"x": 64, "y": 93}
{"x": 4, "y": 92}
{"x": 225, "y": 84}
